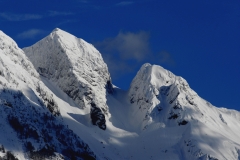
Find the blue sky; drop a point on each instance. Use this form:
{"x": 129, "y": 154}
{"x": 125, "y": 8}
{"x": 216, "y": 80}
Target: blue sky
{"x": 198, "y": 40}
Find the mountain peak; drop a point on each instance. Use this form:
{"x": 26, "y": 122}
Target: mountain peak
{"x": 77, "y": 68}
{"x": 154, "y": 75}
{"x": 58, "y": 31}
{"x": 160, "y": 116}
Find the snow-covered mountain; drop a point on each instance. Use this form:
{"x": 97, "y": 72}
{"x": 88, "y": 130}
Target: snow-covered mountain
{"x": 164, "y": 103}
{"x": 77, "y": 68}
{"x": 58, "y": 101}
{"x": 30, "y": 122}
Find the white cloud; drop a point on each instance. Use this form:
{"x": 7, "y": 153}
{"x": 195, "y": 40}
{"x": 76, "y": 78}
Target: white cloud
{"x": 123, "y": 52}
{"x": 127, "y": 45}
{"x": 127, "y": 51}
{"x": 20, "y": 17}
{"x": 30, "y": 34}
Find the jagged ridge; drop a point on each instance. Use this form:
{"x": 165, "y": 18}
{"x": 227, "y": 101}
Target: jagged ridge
{"x": 159, "y": 98}
{"x": 160, "y": 116}
{"x": 77, "y": 68}
{"x": 30, "y": 120}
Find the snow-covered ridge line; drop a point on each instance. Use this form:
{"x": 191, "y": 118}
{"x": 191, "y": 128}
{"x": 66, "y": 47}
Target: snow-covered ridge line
{"x": 30, "y": 121}
{"x": 159, "y": 117}
{"x": 10, "y": 49}
{"x": 159, "y": 98}
{"x": 77, "y": 68}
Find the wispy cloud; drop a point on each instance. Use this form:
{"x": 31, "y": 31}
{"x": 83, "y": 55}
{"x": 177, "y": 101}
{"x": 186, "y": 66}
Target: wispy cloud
{"x": 25, "y": 17}
{"x": 165, "y": 57}
{"x": 30, "y": 34}
{"x": 19, "y": 17}
{"x": 123, "y": 52}
{"x": 57, "y": 13}
{"x": 127, "y": 51}
{"x": 127, "y": 45}
{"x": 66, "y": 22}
{"x": 124, "y": 3}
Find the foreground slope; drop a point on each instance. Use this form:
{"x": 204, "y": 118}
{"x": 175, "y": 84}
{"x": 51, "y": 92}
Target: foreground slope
{"x": 31, "y": 126}
{"x": 159, "y": 117}
{"x": 77, "y": 68}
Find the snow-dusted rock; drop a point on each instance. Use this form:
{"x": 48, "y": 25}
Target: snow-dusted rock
{"x": 159, "y": 97}
{"x": 155, "y": 89}
{"x": 159, "y": 117}
{"x": 31, "y": 126}
{"x": 77, "y": 68}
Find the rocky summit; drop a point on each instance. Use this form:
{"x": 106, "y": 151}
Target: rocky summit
{"x": 57, "y": 101}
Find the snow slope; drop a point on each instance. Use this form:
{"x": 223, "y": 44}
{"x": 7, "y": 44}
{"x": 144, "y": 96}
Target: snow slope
{"x": 206, "y": 135}
{"x": 162, "y": 101}
{"x": 30, "y": 121}
{"x": 159, "y": 117}
{"x": 77, "y": 68}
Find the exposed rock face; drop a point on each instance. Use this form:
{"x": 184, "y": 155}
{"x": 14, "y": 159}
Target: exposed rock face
{"x": 77, "y": 68}
{"x": 159, "y": 117}
{"x": 159, "y": 98}
{"x": 155, "y": 89}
